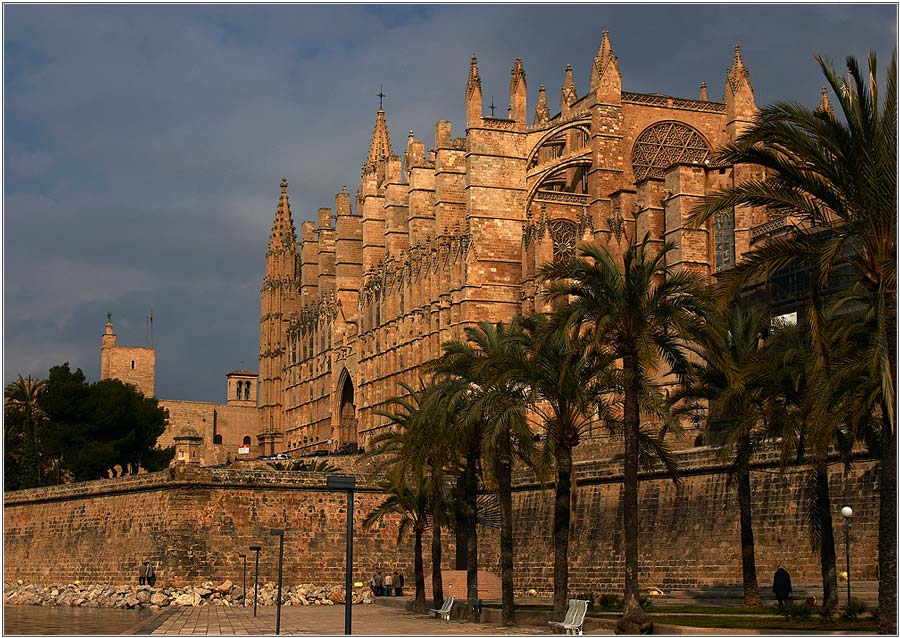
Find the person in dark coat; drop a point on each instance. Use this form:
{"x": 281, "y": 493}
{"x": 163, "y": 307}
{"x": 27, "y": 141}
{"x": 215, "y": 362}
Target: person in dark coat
{"x": 781, "y": 586}
{"x": 398, "y": 584}
{"x": 146, "y": 575}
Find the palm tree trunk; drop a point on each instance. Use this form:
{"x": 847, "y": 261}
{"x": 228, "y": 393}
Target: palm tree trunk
{"x": 631, "y": 523}
{"x": 887, "y": 488}
{"x": 437, "y": 582}
{"x": 419, "y": 568}
{"x": 748, "y": 552}
{"x": 826, "y": 547}
{"x": 471, "y": 498}
{"x": 504, "y": 486}
{"x": 562, "y": 515}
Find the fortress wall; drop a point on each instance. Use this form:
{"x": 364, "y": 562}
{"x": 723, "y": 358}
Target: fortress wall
{"x": 192, "y": 525}
{"x": 689, "y": 534}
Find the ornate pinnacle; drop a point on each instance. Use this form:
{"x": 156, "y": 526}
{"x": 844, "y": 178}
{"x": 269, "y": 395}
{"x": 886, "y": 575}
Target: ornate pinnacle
{"x": 284, "y": 185}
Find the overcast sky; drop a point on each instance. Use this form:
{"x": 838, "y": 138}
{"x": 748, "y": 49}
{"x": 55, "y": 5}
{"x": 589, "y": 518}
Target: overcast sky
{"x": 144, "y": 145}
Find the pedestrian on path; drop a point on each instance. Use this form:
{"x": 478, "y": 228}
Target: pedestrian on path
{"x": 398, "y": 584}
{"x": 781, "y": 586}
{"x": 388, "y": 584}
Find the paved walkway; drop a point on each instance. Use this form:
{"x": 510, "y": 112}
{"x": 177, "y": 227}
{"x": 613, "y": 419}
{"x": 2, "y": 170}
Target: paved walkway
{"x": 372, "y": 620}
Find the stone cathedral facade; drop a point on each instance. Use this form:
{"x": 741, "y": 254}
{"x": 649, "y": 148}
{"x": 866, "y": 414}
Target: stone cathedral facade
{"x": 437, "y": 239}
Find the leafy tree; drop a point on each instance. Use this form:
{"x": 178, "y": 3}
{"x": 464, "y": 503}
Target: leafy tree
{"x": 727, "y": 377}
{"x": 304, "y": 465}
{"x": 640, "y": 315}
{"x": 87, "y": 428}
{"x": 408, "y": 498}
{"x": 837, "y": 175}
{"x": 494, "y": 400}
{"x": 22, "y": 407}
{"x": 565, "y": 394}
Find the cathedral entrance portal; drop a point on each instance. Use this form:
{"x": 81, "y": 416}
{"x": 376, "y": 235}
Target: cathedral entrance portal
{"x": 347, "y": 441}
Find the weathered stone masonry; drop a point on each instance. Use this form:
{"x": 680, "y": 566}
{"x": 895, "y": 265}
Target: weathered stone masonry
{"x": 193, "y": 524}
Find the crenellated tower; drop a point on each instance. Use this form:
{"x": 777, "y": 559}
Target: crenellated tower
{"x": 278, "y": 299}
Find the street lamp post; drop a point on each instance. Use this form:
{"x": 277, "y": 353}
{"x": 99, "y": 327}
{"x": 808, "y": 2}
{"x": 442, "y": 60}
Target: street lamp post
{"x": 280, "y": 534}
{"x": 255, "y": 548}
{"x": 347, "y": 483}
{"x": 244, "y": 589}
{"x": 847, "y": 513}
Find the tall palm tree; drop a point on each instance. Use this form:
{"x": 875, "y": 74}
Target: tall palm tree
{"x": 22, "y": 398}
{"x": 727, "y": 377}
{"x": 408, "y": 498}
{"x": 641, "y": 315}
{"x": 400, "y": 448}
{"x": 566, "y": 392}
{"x": 496, "y": 400}
{"x": 837, "y": 175}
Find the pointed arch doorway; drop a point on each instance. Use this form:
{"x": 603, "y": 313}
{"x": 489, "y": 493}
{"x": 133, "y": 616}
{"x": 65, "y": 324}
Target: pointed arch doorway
{"x": 347, "y": 425}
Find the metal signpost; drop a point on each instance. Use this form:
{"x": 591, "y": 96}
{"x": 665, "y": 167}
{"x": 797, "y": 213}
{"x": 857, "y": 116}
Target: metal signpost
{"x": 255, "y": 548}
{"x": 280, "y": 534}
{"x": 347, "y": 483}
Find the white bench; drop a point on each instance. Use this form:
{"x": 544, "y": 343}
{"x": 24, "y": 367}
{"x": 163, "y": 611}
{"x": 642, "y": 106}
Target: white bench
{"x": 444, "y": 612}
{"x": 574, "y": 619}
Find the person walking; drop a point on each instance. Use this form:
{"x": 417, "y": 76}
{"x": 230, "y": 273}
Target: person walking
{"x": 398, "y": 583}
{"x": 388, "y": 584}
{"x": 781, "y": 586}
{"x": 146, "y": 574}
{"x": 379, "y": 583}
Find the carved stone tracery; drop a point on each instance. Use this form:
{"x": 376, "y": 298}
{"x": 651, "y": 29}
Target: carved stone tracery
{"x": 664, "y": 144}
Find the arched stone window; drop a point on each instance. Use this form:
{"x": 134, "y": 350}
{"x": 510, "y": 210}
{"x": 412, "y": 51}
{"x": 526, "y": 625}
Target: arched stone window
{"x": 217, "y": 439}
{"x": 246, "y": 440}
{"x": 663, "y": 144}
{"x": 564, "y": 235}
{"x": 723, "y": 232}
{"x": 246, "y": 390}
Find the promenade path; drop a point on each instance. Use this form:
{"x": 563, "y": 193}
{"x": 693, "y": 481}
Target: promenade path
{"x": 371, "y": 620}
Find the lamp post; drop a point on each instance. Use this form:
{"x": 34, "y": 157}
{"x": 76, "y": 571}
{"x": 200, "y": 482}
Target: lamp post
{"x": 255, "y": 548}
{"x": 847, "y": 513}
{"x": 280, "y": 534}
{"x": 244, "y": 602}
{"x": 346, "y": 483}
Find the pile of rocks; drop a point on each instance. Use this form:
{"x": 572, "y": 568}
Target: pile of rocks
{"x": 143, "y": 596}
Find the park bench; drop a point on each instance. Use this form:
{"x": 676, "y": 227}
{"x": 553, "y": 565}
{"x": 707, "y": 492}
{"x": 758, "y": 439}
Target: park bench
{"x": 444, "y": 612}
{"x": 574, "y": 619}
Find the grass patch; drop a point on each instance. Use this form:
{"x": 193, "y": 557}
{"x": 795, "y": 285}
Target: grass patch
{"x": 738, "y": 622}
{"x": 731, "y": 610}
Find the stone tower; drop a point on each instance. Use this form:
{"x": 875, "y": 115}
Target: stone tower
{"x": 132, "y": 365}
{"x": 278, "y": 297}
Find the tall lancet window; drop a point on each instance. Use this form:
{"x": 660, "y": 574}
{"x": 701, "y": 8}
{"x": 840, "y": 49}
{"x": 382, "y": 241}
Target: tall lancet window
{"x": 723, "y": 231}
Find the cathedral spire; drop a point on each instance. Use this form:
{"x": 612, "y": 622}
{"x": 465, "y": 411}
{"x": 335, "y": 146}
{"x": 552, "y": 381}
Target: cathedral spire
{"x": 740, "y": 103}
{"x": 542, "y": 111}
{"x": 704, "y": 95}
{"x": 737, "y": 73}
{"x": 606, "y": 80}
{"x": 825, "y": 103}
{"x": 518, "y": 93}
{"x": 473, "y": 95}
{"x": 381, "y": 142}
{"x": 569, "y": 93}
{"x": 283, "y": 235}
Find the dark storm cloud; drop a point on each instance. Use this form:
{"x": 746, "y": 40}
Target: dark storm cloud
{"x": 144, "y": 144}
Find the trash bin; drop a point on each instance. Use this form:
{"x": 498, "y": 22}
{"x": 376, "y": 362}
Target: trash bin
{"x": 476, "y": 610}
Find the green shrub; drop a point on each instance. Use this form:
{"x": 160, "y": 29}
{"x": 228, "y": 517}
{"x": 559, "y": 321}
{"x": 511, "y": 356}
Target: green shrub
{"x": 611, "y": 602}
{"x": 854, "y": 609}
{"x": 792, "y": 611}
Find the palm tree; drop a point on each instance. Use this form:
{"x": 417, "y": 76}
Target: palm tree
{"x": 565, "y": 392}
{"x": 22, "y": 398}
{"x": 640, "y": 315}
{"x": 837, "y": 176}
{"x": 417, "y": 442}
{"x": 495, "y": 400}
{"x": 408, "y": 498}
{"x": 727, "y": 378}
